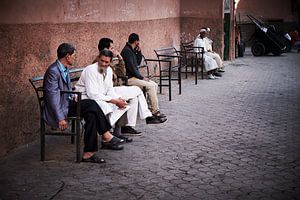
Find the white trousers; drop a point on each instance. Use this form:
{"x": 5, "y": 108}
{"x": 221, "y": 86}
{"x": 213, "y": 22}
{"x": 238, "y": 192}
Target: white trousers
{"x": 217, "y": 58}
{"x": 137, "y": 103}
{"x": 209, "y": 63}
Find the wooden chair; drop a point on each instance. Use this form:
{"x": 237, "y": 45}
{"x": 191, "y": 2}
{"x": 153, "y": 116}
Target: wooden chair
{"x": 74, "y": 130}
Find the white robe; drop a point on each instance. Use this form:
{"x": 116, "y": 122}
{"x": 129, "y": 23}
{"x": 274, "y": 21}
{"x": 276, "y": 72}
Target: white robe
{"x": 209, "y": 62}
{"x": 211, "y": 53}
{"x": 94, "y": 85}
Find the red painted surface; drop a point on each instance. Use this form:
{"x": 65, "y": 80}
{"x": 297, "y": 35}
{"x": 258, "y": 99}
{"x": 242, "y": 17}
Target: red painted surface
{"x": 198, "y": 13}
{"x": 31, "y": 32}
{"x": 74, "y": 11}
{"x": 267, "y": 9}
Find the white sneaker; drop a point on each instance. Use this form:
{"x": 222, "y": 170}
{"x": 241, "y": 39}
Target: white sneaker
{"x": 211, "y": 76}
{"x": 215, "y": 77}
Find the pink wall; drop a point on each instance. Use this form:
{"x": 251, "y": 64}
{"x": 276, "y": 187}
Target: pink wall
{"x": 198, "y": 13}
{"x": 30, "y": 33}
{"x": 74, "y": 11}
{"x": 31, "y": 30}
{"x": 267, "y": 9}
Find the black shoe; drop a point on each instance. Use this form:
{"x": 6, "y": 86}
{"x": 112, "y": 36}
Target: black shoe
{"x": 158, "y": 114}
{"x": 128, "y": 130}
{"x": 121, "y": 140}
{"x": 113, "y": 144}
{"x": 124, "y": 138}
{"x": 221, "y": 70}
{"x": 93, "y": 159}
{"x": 218, "y": 74}
{"x": 155, "y": 120}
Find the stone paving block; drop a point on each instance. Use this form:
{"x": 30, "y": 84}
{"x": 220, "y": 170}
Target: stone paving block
{"x": 232, "y": 138}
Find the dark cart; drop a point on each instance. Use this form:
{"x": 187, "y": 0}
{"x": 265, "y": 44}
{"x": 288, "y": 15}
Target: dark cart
{"x": 266, "y": 39}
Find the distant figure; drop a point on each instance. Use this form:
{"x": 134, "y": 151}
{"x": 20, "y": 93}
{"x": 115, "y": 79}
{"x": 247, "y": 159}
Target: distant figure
{"x": 211, "y": 53}
{"x": 210, "y": 64}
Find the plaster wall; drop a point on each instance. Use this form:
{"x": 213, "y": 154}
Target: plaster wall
{"x": 198, "y": 13}
{"x": 267, "y": 9}
{"x": 30, "y": 32}
{"x": 74, "y": 11}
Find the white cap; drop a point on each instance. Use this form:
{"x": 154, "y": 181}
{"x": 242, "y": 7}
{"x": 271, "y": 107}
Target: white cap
{"x": 203, "y": 30}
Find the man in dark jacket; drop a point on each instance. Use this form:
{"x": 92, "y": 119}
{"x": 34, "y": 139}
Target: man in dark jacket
{"x": 58, "y": 106}
{"x": 132, "y": 56}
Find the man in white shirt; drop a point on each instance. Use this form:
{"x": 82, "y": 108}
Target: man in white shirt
{"x": 211, "y": 53}
{"x": 210, "y": 64}
{"x": 96, "y": 82}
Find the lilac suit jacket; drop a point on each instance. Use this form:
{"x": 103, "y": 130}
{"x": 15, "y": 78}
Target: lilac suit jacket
{"x": 56, "y": 105}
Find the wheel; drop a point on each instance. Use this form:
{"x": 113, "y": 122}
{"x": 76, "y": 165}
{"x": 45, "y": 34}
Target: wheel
{"x": 241, "y": 50}
{"x": 258, "y": 49}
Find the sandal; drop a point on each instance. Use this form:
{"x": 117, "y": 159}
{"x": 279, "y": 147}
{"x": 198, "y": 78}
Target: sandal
{"x": 93, "y": 159}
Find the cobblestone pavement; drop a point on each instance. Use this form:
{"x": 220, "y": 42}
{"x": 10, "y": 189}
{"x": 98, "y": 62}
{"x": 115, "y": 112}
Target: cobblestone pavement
{"x": 232, "y": 138}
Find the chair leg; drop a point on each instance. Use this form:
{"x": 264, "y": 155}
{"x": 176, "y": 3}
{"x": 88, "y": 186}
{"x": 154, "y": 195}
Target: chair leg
{"x": 170, "y": 80}
{"x": 77, "y": 126}
{"x": 179, "y": 78}
{"x": 42, "y": 141}
{"x": 160, "y": 82}
{"x": 196, "y": 71}
{"x": 73, "y": 131}
{"x": 145, "y": 92}
{"x": 202, "y": 67}
{"x": 186, "y": 71}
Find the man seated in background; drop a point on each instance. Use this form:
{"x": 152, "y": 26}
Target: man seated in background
{"x": 58, "y": 106}
{"x": 211, "y": 53}
{"x": 132, "y": 56}
{"x": 210, "y": 64}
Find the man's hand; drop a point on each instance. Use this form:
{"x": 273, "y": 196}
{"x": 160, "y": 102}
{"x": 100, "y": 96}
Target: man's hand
{"x": 63, "y": 124}
{"x": 117, "y": 54}
{"x": 146, "y": 79}
{"x": 121, "y": 103}
{"x": 75, "y": 97}
{"x": 138, "y": 48}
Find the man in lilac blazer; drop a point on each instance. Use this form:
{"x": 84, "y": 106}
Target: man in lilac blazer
{"x": 57, "y": 106}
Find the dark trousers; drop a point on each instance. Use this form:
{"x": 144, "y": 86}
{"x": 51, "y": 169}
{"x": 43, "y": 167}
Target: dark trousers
{"x": 95, "y": 122}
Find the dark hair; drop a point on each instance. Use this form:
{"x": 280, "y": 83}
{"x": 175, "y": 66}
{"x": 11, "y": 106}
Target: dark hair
{"x": 133, "y": 37}
{"x": 104, "y": 43}
{"x": 106, "y": 53}
{"x": 65, "y": 49}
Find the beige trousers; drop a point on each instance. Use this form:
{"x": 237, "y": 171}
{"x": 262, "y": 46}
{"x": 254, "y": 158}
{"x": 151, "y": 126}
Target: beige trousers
{"x": 217, "y": 58}
{"x": 151, "y": 89}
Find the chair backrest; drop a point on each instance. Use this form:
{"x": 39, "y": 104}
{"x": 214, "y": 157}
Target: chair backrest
{"x": 187, "y": 46}
{"x": 166, "y": 53}
{"x": 75, "y": 75}
{"x": 144, "y": 66}
{"x": 37, "y": 84}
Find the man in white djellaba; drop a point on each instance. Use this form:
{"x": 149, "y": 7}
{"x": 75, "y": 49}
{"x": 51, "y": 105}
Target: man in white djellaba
{"x": 210, "y": 64}
{"x": 96, "y": 82}
{"x": 211, "y": 53}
